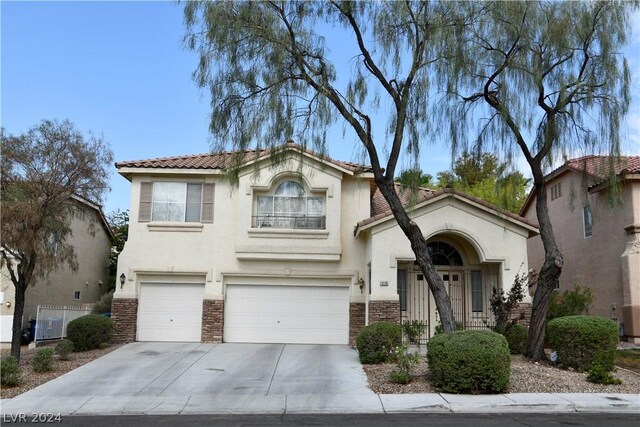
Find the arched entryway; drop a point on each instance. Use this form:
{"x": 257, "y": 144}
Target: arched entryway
{"x": 468, "y": 282}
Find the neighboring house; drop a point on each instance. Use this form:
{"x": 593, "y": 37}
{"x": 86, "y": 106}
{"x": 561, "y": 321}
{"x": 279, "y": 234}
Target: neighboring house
{"x": 305, "y": 251}
{"x": 598, "y": 236}
{"x": 91, "y": 239}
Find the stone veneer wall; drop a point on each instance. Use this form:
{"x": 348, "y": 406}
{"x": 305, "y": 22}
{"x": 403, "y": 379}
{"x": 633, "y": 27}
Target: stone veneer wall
{"x": 356, "y": 320}
{"x": 212, "y": 320}
{"x": 124, "y": 313}
{"x": 384, "y": 311}
{"x": 522, "y": 314}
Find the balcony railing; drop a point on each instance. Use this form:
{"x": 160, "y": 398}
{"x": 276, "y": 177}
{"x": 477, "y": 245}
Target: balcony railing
{"x": 308, "y": 222}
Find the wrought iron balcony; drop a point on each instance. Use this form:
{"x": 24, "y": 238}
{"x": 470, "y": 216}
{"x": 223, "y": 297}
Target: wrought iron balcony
{"x": 306, "y": 222}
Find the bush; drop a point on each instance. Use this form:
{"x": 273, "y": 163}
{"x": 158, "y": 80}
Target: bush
{"x": 438, "y": 329}
{"x": 570, "y": 303}
{"x": 469, "y": 361}
{"x": 64, "y": 348}
{"x": 503, "y": 305}
{"x": 104, "y": 304}
{"x": 404, "y": 363}
{"x": 399, "y": 377}
{"x": 413, "y": 330}
{"x": 516, "y": 336}
{"x": 581, "y": 341}
{"x": 10, "y": 374}
{"x": 377, "y": 342}
{"x": 88, "y": 332}
{"x": 41, "y": 362}
{"x": 598, "y": 374}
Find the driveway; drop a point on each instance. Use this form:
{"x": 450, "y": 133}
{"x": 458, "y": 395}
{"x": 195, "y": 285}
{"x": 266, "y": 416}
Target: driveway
{"x": 196, "y": 376}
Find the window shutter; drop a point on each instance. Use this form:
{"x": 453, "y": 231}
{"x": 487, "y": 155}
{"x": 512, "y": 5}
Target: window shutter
{"x": 207, "y": 202}
{"x": 146, "y": 195}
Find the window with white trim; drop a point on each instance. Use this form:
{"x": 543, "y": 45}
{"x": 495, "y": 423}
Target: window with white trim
{"x": 290, "y": 207}
{"x": 176, "y": 202}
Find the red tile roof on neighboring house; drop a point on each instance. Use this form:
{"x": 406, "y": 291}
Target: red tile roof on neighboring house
{"x": 380, "y": 209}
{"x": 222, "y": 161}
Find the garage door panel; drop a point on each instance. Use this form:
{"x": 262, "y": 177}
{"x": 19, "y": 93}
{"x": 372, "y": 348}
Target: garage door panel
{"x": 170, "y": 312}
{"x": 291, "y": 314}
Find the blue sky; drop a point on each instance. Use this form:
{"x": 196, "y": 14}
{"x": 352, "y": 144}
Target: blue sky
{"x": 119, "y": 69}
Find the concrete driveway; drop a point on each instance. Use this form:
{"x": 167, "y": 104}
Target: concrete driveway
{"x": 196, "y": 376}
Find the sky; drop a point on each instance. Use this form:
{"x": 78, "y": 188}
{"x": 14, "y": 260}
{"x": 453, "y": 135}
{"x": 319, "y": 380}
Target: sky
{"x": 120, "y": 70}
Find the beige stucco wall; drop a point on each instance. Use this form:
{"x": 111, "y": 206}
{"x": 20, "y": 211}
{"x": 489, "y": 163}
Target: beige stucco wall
{"x": 483, "y": 238}
{"x": 230, "y": 251}
{"x": 589, "y": 261}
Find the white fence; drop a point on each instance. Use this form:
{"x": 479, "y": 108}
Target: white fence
{"x": 52, "y": 321}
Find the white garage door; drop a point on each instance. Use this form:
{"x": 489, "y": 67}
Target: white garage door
{"x": 170, "y": 312}
{"x": 287, "y": 314}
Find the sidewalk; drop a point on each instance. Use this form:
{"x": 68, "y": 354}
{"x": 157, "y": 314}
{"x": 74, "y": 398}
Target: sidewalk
{"x": 363, "y": 403}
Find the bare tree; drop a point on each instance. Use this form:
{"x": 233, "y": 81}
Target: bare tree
{"x": 544, "y": 79}
{"x": 42, "y": 171}
{"x": 270, "y": 75}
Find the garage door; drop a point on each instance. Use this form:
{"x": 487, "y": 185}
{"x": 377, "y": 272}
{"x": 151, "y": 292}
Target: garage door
{"x": 170, "y": 312}
{"x": 287, "y": 314}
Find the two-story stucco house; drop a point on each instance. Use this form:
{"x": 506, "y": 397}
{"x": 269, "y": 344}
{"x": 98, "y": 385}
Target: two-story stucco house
{"x": 303, "y": 251}
{"x": 598, "y": 236}
{"x": 91, "y": 239}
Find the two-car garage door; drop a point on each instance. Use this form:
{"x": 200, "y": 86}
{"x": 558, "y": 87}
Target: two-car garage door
{"x": 287, "y": 314}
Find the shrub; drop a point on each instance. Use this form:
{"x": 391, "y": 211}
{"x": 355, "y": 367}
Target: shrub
{"x": 104, "y": 303}
{"x": 469, "y": 361}
{"x": 404, "y": 363}
{"x": 598, "y": 374}
{"x": 438, "y": 329}
{"x": 88, "y": 332}
{"x": 570, "y": 303}
{"x": 10, "y": 374}
{"x": 41, "y": 362}
{"x": 413, "y": 330}
{"x": 377, "y": 342}
{"x": 502, "y": 305}
{"x": 399, "y": 377}
{"x": 516, "y": 336}
{"x": 581, "y": 341}
{"x": 64, "y": 348}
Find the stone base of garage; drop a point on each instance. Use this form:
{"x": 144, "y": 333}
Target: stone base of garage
{"x": 384, "y": 311}
{"x": 124, "y": 313}
{"x": 212, "y": 320}
{"x": 356, "y": 321}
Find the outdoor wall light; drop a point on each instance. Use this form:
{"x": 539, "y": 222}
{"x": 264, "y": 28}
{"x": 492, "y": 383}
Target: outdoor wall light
{"x": 8, "y": 303}
{"x": 361, "y": 285}
{"x": 122, "y": 279}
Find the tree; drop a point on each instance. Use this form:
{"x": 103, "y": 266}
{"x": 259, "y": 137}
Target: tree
{"x": 269, "y": 72}
{"x": 484, "y": 176}
{"x": 414, "y": 178}
{"x": 544, "y": 78}
{"x": 119, "y": 223}
{"x": 42, "y": 171}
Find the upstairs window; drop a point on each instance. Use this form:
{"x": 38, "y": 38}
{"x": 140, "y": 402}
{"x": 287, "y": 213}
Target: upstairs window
{"x": 176, "y": 202}
{"x": 290, "y": 207}
{"x": 587, "y": 220}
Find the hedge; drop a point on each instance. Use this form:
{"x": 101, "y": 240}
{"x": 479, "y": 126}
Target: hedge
{"x": 88, "y": 332}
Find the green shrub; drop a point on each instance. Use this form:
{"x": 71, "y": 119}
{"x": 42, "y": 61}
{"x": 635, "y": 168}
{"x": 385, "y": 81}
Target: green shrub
{"x": 104, "y": 303}
{"x": 41, "y": 362}
{"x": 399, "y": 377}
{"x": 64, "y": 348}
{"x": 570, "y": 303}
{"x": 503, "y": 305}
{"x": 10, "y": 374}
{"x": 516, "y": 336}
{"x": 88, "y": 332}
{"x": 438, "y": 329}
{"x": 413, "y": 330}
{"x": 469, "y": 361}
{"x": 377, "y": 342}
{"x": 404, "y": 363}
{"x": 581, "y": 341}
{"x": 598, "y": 374}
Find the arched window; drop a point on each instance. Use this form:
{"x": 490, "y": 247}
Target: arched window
{"x": 290, "y": 207}
{"x": 444, "y": 254}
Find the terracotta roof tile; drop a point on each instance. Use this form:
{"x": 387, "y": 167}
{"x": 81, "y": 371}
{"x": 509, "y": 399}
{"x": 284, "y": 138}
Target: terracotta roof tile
{"x": 600, "y": 166}
{"x": 222, "y": 161}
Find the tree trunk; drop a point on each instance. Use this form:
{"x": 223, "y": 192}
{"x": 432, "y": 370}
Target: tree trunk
{"x": 18, "y": 311}
{"x": 419, "y": 247}
{"x": 549, "y": 274}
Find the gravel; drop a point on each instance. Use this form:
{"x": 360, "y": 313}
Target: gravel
{"x": 32, "y": 379}
{"x": 526, "y": 377}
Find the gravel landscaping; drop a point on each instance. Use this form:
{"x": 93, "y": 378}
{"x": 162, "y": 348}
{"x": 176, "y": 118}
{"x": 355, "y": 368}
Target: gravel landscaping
{"x": 526, "y": 377}
{"x": 32, "y": 379}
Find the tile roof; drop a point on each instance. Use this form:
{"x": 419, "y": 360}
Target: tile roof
{"x": 380, "y": 209}
{"x": 600, "y": 166}
{"x": 223, "y": 161}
